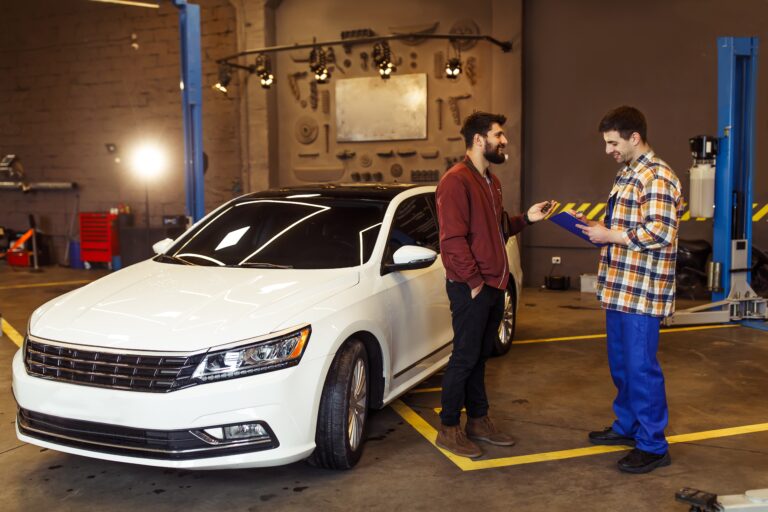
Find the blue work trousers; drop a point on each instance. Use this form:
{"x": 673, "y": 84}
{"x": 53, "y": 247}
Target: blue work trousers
{"x": 641, "y": 401}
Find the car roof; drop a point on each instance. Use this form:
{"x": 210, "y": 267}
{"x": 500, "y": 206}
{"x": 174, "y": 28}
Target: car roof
{"x": 381, "y": 191}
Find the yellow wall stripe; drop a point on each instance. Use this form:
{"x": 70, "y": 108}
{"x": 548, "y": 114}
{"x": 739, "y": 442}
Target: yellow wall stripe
{"x": 758, "y": 216}
{"x": 12, "y": 333}
{"x": 760, "y": 213}
{"x": 583, "y": 207}
{"x": 597, "y": 209}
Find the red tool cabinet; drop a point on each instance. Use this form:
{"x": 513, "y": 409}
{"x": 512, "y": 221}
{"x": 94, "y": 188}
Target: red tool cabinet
{"x": 98, "y": 237}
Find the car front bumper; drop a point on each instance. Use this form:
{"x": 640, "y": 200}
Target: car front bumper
{"x": 286, "y": 401}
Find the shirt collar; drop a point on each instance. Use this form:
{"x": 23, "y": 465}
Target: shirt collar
{"x": 643, "y": 160}
{"x": 468, "y": 163}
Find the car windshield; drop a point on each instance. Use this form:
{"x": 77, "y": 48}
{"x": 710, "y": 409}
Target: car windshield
{"x": 302, "y": 233}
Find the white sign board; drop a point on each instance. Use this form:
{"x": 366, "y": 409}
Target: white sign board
{"x": 370, "y": 108}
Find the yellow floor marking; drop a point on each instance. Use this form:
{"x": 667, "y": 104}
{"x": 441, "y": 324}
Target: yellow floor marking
{"x": 597, "y": 336}
{"x": 40, "y": 285}
{"x": 424, "y": 390}
{"x": 430, "y": 434}
{"x": 425, "y": 429}
{"x": 12, "y": 333}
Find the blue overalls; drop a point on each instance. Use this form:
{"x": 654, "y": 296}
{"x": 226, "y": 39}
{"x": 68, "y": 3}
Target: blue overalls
{"x": 641, "y": 402}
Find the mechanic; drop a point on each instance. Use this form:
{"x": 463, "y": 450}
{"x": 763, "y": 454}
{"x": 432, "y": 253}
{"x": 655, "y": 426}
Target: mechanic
{"x": 636, "y": 286}
{"x": 472, "y": 245}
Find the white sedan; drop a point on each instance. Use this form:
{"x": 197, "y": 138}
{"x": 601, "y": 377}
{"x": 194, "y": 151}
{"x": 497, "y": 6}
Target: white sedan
{"x": 260, "y": 337}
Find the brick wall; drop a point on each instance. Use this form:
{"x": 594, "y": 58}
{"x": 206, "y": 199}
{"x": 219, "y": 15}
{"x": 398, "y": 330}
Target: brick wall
{"x": 73, "y": 81}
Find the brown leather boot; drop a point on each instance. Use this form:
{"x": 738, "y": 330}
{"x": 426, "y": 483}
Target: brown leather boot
{"x": 455, "y": 441}
{"x": 483, "y": 429}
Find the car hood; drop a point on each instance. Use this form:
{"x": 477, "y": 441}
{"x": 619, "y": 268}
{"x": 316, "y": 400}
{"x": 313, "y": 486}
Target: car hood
{"x": 168, "y": 307}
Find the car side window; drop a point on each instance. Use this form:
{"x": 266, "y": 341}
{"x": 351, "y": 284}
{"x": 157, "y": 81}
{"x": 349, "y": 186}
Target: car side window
{"x": 414, "y": 224}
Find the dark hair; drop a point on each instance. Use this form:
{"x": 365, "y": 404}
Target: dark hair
{"x": 479, "y": 123}
{"x": 625, "y": 120}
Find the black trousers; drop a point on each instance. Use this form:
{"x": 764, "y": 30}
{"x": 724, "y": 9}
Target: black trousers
{"x": 475, "y": 330}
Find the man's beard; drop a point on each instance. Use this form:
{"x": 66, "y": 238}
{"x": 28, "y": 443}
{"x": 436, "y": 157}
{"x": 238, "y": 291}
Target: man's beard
{"x": 493, "y": 155}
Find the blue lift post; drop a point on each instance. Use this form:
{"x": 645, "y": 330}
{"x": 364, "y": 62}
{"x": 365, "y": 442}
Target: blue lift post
{"x": 737, "y": 79}
{"x": 733, "y": 298}
{"x": 192, "y": 104}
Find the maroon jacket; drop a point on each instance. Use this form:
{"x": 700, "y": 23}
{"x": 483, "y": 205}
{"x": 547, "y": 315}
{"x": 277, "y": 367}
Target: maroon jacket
{"x": 470, "y": 212}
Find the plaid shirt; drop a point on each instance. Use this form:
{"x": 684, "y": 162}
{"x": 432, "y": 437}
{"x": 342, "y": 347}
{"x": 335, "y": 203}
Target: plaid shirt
{"x": 640, "y": 277}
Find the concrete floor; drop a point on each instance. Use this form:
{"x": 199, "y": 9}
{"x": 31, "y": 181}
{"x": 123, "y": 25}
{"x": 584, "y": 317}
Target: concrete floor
{"x": 548, "y": 394}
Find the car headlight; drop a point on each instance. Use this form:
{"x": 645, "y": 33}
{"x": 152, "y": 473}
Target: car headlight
{"x": 245, "y": 360}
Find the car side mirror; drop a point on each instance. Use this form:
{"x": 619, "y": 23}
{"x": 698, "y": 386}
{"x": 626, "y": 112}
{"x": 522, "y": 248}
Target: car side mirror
{"x": 410, "y": 257}
{"x": 162, "y": 246}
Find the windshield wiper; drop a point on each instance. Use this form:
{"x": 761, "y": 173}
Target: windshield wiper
{"x": 260, "y": 264}
{"x": 167, "y": 258}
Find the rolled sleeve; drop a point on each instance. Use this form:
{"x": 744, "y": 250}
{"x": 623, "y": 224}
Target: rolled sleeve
{"x": 659, "y": 202}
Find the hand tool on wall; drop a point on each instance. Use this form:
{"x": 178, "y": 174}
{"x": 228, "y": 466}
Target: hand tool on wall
{"x": 345, "y": 155}
{"x": 325, "y": 101}
{"x": 453, "y": 103}
{"x": 313, "y": 95}
{"x": 330, "y": 56}
{"x": 439, "y": 113}
{"x": 472, "y": 70}
{"x": 293, "y": 80}
{"x": 439, "y": 65}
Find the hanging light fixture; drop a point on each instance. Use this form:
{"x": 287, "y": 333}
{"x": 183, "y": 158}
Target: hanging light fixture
{"x": 263, "y": 69}
{"x": 382, "y": 57}
{"x": 318, "y": 65}
{"x": 453, "y": 64}
{"x": 225, "y": 77}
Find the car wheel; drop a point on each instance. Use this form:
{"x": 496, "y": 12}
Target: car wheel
{"x": 507, "y": 326}
{"x": 343, "y": 410}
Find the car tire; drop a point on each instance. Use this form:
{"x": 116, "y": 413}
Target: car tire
{"x": 507, "y": 327}
{"x": 343, "y": 412}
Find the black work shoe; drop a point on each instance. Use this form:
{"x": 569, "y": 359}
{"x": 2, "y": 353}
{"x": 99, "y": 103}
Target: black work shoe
{"x": 610, "y": 437}
{"x": 639, "y": 461}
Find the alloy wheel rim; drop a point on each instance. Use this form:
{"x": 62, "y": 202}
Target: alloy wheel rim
{"x": 508, "y": 320}
{"x": 357, "y": 404}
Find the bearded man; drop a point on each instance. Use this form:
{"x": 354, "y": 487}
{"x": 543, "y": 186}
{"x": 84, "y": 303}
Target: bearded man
{"x": 472, "y": 246}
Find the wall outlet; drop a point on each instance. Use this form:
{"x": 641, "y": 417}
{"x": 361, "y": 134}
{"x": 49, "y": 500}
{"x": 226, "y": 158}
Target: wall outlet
{"x": 555, "y": 260}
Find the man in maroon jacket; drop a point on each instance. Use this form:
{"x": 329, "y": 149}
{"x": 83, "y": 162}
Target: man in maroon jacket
{"x": 472, "y": 246}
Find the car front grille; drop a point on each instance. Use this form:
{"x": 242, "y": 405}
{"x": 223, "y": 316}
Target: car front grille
{"x": 136, "y": 442}
{"x": 159, "y": 373}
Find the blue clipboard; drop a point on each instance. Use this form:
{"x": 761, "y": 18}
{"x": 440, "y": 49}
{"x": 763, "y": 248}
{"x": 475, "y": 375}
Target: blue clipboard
{"x": 568, "y": 221}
